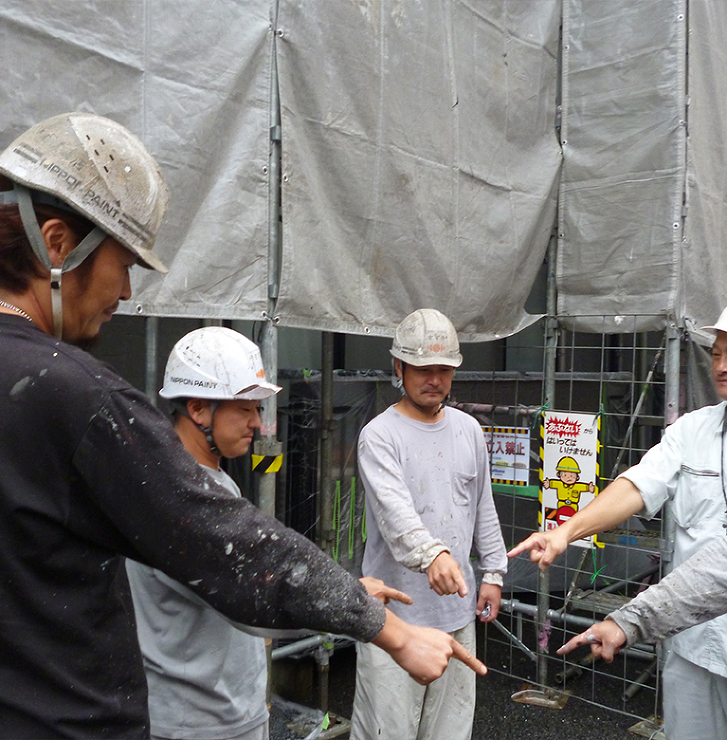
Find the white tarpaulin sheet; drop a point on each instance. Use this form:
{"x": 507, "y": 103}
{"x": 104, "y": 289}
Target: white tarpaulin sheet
{"x": 420, "y": 165}
{"x": 192, "y": 79}
{"x": 623, "y": 168}
{"x": 703, "y": 285}
{"x": 420, "y": 160}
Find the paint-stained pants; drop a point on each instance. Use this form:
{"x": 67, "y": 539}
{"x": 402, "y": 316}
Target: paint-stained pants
{"x": 695, "y": 701}
{"x": 390, "y": 705}
{"x": 261, "y": 732}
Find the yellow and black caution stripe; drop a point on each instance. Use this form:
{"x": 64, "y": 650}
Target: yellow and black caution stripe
{"x": 267, "y": 463}
{"x": 540, "y": 420}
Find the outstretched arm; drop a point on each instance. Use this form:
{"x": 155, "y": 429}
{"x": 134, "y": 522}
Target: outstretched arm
{"x": 694, "y": 592}
{"x": 614, "y": 505}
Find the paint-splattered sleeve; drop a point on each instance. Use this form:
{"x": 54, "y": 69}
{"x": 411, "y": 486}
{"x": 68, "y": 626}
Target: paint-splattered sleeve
{"x": 146, "y": 497}
{"x": 694, "y": 592}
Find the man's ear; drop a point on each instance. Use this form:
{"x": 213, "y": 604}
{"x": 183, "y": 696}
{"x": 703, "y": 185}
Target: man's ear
{"x": 60, "y": 241}
{"x": 199, "y": 411}
{"x": 397, "y": 367}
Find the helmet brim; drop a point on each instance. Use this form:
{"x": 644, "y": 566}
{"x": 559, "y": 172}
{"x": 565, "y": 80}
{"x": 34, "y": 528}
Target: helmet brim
{"x": 258, "y": 392}
{"x": 426, "y": 361}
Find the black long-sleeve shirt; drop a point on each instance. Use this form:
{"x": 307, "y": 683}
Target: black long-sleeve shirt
{"x": 91, "y": 471}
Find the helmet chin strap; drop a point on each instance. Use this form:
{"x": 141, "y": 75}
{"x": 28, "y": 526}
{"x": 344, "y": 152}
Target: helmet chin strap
{"x": 180, "y": 405}
{"x": 37, "y": 242}
{"x": 208, "y": 431}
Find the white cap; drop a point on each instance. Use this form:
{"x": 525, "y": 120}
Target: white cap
{"x": 721, "y": 324}
{"x": 216, "y": 363}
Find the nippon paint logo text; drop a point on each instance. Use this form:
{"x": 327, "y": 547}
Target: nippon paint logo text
{"x": 193, "y": 382}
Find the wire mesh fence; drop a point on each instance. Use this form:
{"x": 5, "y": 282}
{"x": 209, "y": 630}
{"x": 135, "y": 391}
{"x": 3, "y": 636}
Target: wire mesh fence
{"x": 620, "y": 380}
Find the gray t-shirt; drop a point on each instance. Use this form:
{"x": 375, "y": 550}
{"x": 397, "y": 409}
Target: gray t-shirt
{"x": 207, "y": 680}
{"x": 428, "y": 490}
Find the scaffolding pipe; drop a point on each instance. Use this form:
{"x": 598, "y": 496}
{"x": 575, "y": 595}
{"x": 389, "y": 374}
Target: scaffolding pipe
{"x": 268, "y": 445}
{"x": 325, "y": 502}
{"x": 627, "y": 581}
{"x": 672, "y": 372}
{"x": 637, "y": 411}
{"x": 513, "y": 606}
{"x": 623, "y": 583}
{"x": 300, "y": 646}
{"x": 551, "y": 344}
{"x": 151, "y": 338}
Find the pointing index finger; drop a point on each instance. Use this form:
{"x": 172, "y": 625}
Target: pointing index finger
{"x": 531, "y": 543}
{"x": 585, "y": 638}
{"x": 396, "y": 595}
{"x": 460, "y": 652}
{"x": 516, "y": 550}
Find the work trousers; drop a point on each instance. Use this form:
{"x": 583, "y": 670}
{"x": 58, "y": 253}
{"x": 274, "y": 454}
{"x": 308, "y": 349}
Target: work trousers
{"x": 695, "y": 701}
{"x": 390, "y": 705}
{"x": 257, "y": 733}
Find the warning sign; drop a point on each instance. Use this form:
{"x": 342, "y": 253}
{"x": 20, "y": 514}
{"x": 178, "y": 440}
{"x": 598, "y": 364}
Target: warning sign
{"x": 509, "y": 449}
{"x": 569, "y": 473}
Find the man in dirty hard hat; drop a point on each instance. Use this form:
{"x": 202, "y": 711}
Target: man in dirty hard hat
{"x": 687, "y": 469}
{"x": 207, "y": 676}
{"x": 207, "y": 679}
{"x": 426, "y": 476}
{"x": 92, "y": 471}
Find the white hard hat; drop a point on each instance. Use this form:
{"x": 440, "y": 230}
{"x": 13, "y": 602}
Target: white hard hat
{"x": 98, "y": 168}
{"x": 427, "y": 337}
{"x": 216, "y": 363}
{"x": 721, "y": 324}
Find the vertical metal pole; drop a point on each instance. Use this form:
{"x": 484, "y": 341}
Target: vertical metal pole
{"x": 268, "y": 444}
{"x": 546, "y": 696}
{"x": 672, "y": 371}
{"x": 672, "y": 377}
{"x": 551, "y": 346}
{"x": 325, "y": 508}
{"x": 151, "y": 334}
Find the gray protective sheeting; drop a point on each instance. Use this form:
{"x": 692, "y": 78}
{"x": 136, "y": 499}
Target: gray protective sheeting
{"x": 420, "y": 161}
{"x": 703, "y": 286}
{"x": 192, "y": 79}
{"x": 419, "y": 155}
{"x": 643, "y": 211}
{"x": 623, "y": 172}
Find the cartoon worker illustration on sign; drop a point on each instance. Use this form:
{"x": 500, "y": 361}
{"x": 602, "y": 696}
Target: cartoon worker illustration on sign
{"x": 567, "y": 487}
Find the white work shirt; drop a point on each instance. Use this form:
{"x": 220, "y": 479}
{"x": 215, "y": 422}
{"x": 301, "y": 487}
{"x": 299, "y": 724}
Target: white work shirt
{"x": 686, "y": 468}
{"x": 428, "y": 490}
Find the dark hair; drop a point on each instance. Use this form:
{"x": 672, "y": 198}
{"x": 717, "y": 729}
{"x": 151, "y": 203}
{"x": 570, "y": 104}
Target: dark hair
{"x": 18, "y": 263}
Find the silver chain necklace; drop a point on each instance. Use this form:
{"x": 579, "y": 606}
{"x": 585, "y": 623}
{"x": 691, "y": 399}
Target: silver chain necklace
{"x": 16, "y": 309}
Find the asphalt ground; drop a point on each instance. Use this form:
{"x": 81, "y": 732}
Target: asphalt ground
{"x": 497, "y": 715}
